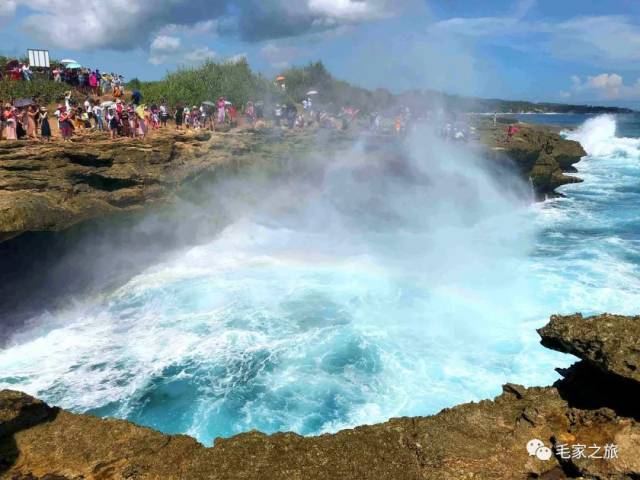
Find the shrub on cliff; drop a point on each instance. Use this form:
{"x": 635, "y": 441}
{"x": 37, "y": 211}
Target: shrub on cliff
{"x": 234, "y": 80}
{"x": 315, "y": 76}
{"x": 44, "y": 91}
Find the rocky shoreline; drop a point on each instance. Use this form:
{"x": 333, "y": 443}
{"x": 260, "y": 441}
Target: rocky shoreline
{"x": 593, "y": 405}
{"x": 539, "y": 153}
{"x": 51, "y": 187}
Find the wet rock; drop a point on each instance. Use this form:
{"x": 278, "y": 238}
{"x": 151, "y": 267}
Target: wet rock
{"x": 539, "y": 152}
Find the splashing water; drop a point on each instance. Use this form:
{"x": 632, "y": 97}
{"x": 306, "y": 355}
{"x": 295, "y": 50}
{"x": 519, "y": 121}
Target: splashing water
{"x": 367, "y": 286}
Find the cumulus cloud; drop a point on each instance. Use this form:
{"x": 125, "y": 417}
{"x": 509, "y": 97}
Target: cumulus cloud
{"x": 602, "y": 40}
{"x": 162, "y": 48}
{"x": 200, "y": 55}
{"x": 280, "y": 56}
{"x": 127, "y": 24}
{"x": 8, "y": 8}
{"x": 605, "y": 86}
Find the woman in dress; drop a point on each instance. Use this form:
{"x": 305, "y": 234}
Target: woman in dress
{"x": 222, "y": 106}
{"x": 45, "y": 128}
{"x": 126, "y": 124}
{"x": 31, "y": 114}
{"x": 142, "y": 123}
{"x": 9, "y": 118}
{"x": 66, "y": 128}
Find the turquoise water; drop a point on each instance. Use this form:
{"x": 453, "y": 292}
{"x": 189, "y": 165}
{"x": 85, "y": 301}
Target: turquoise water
{"x": 361, "y": 288}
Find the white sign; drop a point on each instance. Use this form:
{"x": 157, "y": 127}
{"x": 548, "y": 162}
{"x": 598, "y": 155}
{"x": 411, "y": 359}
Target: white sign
{"x": 39, "y": 58}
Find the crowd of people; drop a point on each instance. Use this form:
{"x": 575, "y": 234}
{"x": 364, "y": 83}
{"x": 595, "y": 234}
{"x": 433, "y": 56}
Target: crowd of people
{"x": 120, "y": 118}
{"x": 30, "y": 122}
{"x": 84, "y": 79}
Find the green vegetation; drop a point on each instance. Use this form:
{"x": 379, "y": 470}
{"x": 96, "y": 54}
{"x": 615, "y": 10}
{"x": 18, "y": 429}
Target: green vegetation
{"x": 191, "y": 86}
{"x": 239, "y": 84}
{"x": 43, "y": 91}
{"x": 332, "y": 92}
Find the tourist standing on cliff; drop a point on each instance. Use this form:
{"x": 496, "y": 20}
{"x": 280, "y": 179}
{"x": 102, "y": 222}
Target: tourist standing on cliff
{"x": 164, "y": 114}
{"x": 179, "y": 115}
{"x": 66, "y": 128}
{"x": 112, "y": 119}
{"x": 45, "y": 128}
{"x": 30, "y": 114}
{"x": 93, "y": 83}
{"x": 9, "y": 118}
{"x": 97, "y": 115}
{"x": 250, "y": 113}
{"x": 222, "y": 106}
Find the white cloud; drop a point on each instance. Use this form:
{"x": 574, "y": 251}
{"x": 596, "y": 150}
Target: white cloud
{"x": 127, "y": 24}
{"x": 165, "y": 44}
{"x": 280, "y": 56}
{"x": 605, "y": 86}
{"x": 596, "y": 40}
{"x": 7, "y": 8}
{"x": 351, "y": 10}
{"x": 200, "y": 55}
{"x": 162, "y": 48}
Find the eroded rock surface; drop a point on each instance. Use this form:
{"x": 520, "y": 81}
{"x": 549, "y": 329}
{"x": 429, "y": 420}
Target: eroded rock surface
{"x": 609, "y": 342}
{"x": 53, "y": 186}
{"x": 539, "y": 152}
{"x": 485, "y": 440}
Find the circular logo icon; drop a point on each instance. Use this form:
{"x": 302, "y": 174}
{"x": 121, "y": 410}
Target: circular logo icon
{"x": 533, "y": 445}
{"x": 543, "y": 453}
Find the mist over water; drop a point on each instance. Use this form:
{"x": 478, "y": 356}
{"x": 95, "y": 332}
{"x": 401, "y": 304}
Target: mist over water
{"x": 349, "y": 289}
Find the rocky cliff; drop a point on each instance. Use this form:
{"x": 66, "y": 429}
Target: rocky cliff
{"x": 539, "y": 152}
{"x": 53, "y": 186}
{"x": 593, "y": 405}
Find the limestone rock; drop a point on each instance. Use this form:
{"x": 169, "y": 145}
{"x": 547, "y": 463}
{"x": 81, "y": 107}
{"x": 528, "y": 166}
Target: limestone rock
{"x": 610, "y": 342}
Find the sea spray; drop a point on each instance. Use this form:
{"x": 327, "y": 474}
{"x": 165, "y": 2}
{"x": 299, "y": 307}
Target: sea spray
{"x": 348, "y": 289}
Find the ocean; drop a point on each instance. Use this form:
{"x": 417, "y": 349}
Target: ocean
{"x": 354, "y": 291}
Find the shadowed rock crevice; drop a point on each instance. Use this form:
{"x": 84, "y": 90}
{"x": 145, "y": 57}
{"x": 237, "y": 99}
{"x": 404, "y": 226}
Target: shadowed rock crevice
{"x": 19, "y": 412}
{"x": 106, "y": 183}
{"x": 586, "y": 386}
{"x": 87, "y": 159}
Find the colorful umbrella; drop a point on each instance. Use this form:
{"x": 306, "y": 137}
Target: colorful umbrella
{"x": 280, "y": 79}
{"x": 67, "y": 61}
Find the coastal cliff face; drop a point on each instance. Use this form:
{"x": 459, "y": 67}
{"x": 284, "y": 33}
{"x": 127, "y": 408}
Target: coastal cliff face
{"x": 539, "y": 153}
{"x": 592, "y": 406}
{"x": 53, "y": 186}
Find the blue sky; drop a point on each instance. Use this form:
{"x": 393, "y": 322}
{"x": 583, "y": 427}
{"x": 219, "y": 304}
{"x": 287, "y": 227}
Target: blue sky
{"x": 573, "y": 51}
